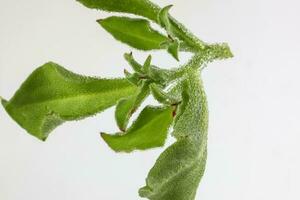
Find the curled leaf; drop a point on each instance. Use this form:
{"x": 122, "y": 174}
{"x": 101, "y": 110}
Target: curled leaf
{"x": 161, "y": 96}
{"x": 135, "y": 32}
{"x": 179, "y": 169}
{"x": 192, "y": 119}
{"x": 163, "y": 19}
{"x": 127, "y": 106}
{"x": 148, "y": 131}
{"x": 52, "y": 95}
{"x": 173, "y": 48}
{"x": 177, "y": 172}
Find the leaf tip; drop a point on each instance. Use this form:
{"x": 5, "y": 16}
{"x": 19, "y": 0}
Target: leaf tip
{"x": 166, "y": 9}
{"x": 145, "y": 191}
{"x": 43, "y": 139}
{"x": 102, "y": 134}
{"x": 105, "y": 136}
{"x": 169, "y": 7}
{"x": 128, "y": 56}
{"x": 100, "y": 21}
{"x": 3, "y": 101}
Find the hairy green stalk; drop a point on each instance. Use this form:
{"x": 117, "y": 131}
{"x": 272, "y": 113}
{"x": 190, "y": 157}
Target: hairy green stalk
{"x": 52, "y": 95}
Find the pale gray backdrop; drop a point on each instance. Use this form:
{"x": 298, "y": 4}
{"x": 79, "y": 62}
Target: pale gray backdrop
{"x": 253, "y": 100}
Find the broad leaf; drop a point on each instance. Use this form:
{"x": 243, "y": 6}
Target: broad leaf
{"x": 52, "y": 95}
{"x": 148, "y": 131}
{"x": 143, "y": 8}
{"x": 127, "y": 106}
{"x": 193, "y": 117}
{"x": 178, "y": 171}
{"x": 134, "y": 32}
{"x": 151, "y": 11}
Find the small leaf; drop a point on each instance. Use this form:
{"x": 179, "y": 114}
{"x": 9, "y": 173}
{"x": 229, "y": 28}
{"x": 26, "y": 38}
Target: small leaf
{"x": 134, "y": 32}
{"x": 161, "y": 96}
{"x": 218, "y": 52}
{"x": 132, "y": 78}
{"x": 148, "y": 131}
{"x": 143, "y": 8}
{"x": 127, "y": 106}
{"x": 133, "y": 63}
{"x": 158, "y": 75}
{"x": 52, "y": 95}
{"x": 163, "y": 18}
{"x": 173, "y": 48}
{"x": 147, "y": 64}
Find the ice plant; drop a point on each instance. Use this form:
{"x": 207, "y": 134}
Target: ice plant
{"x": 52, "y": 95}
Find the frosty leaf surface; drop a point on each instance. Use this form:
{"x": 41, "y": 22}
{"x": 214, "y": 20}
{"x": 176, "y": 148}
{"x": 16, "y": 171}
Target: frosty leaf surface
{"x": 143, "y": 8}
{"x": 127, "y": 106}
{"x": 148, "y": 131}
{"x": 135, "y": 32}
{"x": 179, "y": 169}
{"x": 52, "y": 95}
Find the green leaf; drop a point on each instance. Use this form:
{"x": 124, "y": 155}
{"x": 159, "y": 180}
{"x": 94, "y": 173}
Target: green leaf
{"x": 173, "y": 48}
{"x": 147, "y": 64}
{"x": 179, "y": 169}
{"x": 134, "y": 32}
{"x": 151, "y": 11}
{"x": 143, "y": 8}
{"x": 218, "y": 52}
{"x": 133, "y": 63}
{"x": 177, "y": 172}
{"x": 161, "y": 96}
{"x": 192, "y": 119}
{"x": 163, "y": 19}
{"x": 148, "y": 131}
{"x": 132, "y": 78}
{"x": 127, "y": 106}
{"x": 158, "y": 75}
{"x": 52, "y": 95}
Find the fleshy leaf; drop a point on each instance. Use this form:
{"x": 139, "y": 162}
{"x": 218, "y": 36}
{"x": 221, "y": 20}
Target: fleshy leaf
{"x": 173, "y": 48}
{"x": 177, "y": 172}
{"x": 133, "y": 63}
{"x": 134, "y": 32}
{"x": 127, "y": 106}
{"x": 147, "y": 64}
{"x": 149, "y": 10}
{"x": 143, "y": 8}
{"x": 158, "y": 75}
{"x": 132, "y": 78}
{"x": 52, "y": 95}
{"x": 148, "y": 131}
{"x": 163, "y": 18}
{"x": 161, "y": 96}
{"x": 179, "y": 169}
{"x": 193, "y": 117}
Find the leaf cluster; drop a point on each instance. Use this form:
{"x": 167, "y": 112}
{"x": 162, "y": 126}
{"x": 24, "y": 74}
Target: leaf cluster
{"x": 52, "y": 95}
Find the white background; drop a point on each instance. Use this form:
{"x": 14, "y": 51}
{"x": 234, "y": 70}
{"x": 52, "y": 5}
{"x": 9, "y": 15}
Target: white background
{"x": 254, "y": 102}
